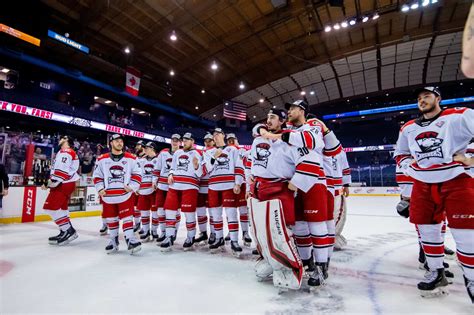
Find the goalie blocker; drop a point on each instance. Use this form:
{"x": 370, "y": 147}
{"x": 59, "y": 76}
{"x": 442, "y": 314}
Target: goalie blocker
{"x": 275, "y": 244}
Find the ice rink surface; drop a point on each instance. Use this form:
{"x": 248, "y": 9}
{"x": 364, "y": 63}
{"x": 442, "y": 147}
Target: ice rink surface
{"x": 376, "y": 274}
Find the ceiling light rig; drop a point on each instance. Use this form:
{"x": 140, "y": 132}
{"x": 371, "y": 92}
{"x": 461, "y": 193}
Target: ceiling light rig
{"x": 416, "y": 5}
{"x": 241, "y": 85}
{"x": 214, "y": 66}
{"x": 351, "y": 22}
{"x": 173, "y": 36}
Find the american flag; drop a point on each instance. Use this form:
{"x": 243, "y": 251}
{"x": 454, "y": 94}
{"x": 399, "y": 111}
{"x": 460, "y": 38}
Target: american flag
{"x": 235, "y": 110}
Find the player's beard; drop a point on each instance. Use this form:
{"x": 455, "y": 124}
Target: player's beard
{"x": 117, "y": 148}
{"x": 427, "y": 107}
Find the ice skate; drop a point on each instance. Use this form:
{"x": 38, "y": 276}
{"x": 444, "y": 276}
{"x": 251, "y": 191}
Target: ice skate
{"x": 104, "y": 229}
{"x": 188, "y": 244}
{"x": 113, "y": 246}
{"x": 202, "y": 239}
{"x": 435, "y": 284}
{"x": 68, "y": 236}
{"x": 217, "y": 246}
{"x": 134, "y": 246}
{"x": 247, "y": 239}
{"x": 236, "y": 249}
{"x": 53, "y": 240}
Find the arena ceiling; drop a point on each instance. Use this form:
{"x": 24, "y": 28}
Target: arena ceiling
{"x": 276, "y": 48}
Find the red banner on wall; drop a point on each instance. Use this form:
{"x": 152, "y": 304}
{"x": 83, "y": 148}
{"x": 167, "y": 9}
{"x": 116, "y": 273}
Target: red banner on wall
{"x": 29, "y": 205}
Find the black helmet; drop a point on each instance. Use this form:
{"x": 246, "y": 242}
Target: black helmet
{"x": 152, "y": 145}
{"x": 115, "y": 136}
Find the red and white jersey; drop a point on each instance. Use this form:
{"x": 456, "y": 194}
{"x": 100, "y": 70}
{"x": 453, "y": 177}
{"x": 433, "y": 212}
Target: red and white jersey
{"x": 405, "y": 182}
{"x": 163, "y": 167}
{"x": 65, "y": 167}
{"x": 204, "y": 180}
{"x": 147, "y": 166}
{"x": 470, "y": 153}
{"x": 226, "y": 170}
{"x": 277, "y": 160}
{"x": 182, "y": 168}
{"x": 340, "y": 173}
{"x": 112, "y": 173}
{"x": 425, "y": 148}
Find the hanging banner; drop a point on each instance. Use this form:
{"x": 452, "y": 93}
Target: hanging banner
{"x": 68, "y": 41}
{"x": 20, "y": 35}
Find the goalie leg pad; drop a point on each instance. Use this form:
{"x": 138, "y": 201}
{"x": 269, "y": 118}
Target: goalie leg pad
{"x": 275, "y": 242}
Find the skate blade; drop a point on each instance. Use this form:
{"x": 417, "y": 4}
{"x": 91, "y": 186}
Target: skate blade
{"x": 165, "y": 249}
{"x": 450, "y": 257}
{"x": 103, "y": 233}
{"x": 247, "y": 244}
{"x": 53, "y": 242}
{"x": 145, "y": 240}
{"x": 112, "y": 251}
{"x": 421, "y": 266}
{"x": 69, "y": 240}
{"x": 265, "y": 279}
{"x": 201, "y": 243}
{"x": 236, "y": 254}
{"x": 135, "y": 250}
{"x": 440, "y": 291}
{"x": 218, "y": 250}
{"x": 188, "y": 249}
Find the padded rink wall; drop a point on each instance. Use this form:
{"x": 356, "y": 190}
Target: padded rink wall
{"x": 25, "y": 204}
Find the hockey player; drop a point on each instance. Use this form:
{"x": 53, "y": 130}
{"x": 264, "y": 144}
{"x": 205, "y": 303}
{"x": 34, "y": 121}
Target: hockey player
{"x": 202, "y": 203}
{"x": 140, "y": 153}
{"x": 146, "y": 193}
{"x": 226, "y": 175}
{"x": 183, "y": 180}
{"x": 316, "y": 228}
{"x": 442, "y": 187}
{"x": 117, "y": 177}
{"x": 161, "y": 173}
{"x": 62, "y": 184}
{"x": 241, "y": 200}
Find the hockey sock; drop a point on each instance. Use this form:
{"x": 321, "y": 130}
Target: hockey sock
{"x": 113, "y": 225}
{"x": 178, "y": 219}
{"x": 162, "y": 220}
{"x": 170, "y": 222}
{"x": 433, "y": 245}
{"x": 217, "y": 218}
{"x": 202, "y": 219}
{"x": 303, "y": 239}
{"x": 331, "y": 225}
{"x": 61, "y": 218}
{"x": 320, "y": 240}
{"x": 127, "y": 227}
{"x": 464, "y": 239}
{"x": 190, "y": 223}
{"x": 211, "y": 222}
{"x": 104, "y": 221}
{"x": 232, "y": 223}
{"x": 136, "y": 216}
{"x": 154, "y": 221}
{"x": 145, "y": 214}
{"x": 244, "y": 218}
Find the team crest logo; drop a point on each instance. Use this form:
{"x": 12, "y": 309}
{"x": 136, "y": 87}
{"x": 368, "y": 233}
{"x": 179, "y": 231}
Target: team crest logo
{"x": 222, "y": 162}
{"x": 440, "y": 124}
{"x": 262, "y": 152}
{"x": 148, "y": 169}
{"x": 430, "y": 146}
{"x": 117, "y": 173}
{"x": 334, "y": 163}
{"x": 183, "y": 162}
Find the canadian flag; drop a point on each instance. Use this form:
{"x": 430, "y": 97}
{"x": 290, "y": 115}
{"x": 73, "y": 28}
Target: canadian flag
{"x": 132, "y": 83}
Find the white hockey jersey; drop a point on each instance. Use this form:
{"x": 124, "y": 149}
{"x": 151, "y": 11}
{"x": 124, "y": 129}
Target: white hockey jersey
{"x": 226, "y": 170}
{"x": 470, "y": 153}
{"x": 65, "y": 167}
{"x": 341, "y": 173}
{"x": 147, "y": 167}
{"x": 162, "y": 169}
{"x": 113, "y": 174}
{"x": 204, "y": 180}
{"x": 182, "y": 168}
{"x": 425, "y": 148}
{"x": 277, "y": 160}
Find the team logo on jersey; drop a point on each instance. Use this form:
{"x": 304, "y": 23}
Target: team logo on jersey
{"x": 334, "y": 163}
{"x": 183, "y": 162}
{"x": 263, "y": 152}
{"x": 430, "y": 146}
{"x": 117, "y": 173}
{"x": 440, "y": 124}
{"x": 148, "y": 169}
{"x": 222, "y": 162}
{"x": 168, "y": 163}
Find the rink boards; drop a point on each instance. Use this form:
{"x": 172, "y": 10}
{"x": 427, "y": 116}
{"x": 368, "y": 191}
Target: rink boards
{"x": 25, "y": 204}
